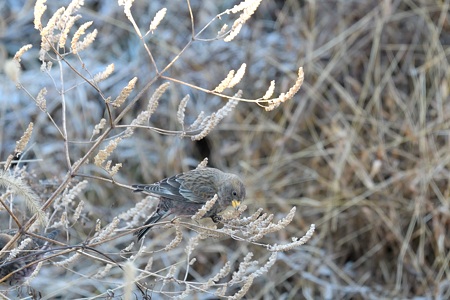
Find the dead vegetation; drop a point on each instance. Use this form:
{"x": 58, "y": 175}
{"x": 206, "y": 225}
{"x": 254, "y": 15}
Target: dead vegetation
{"x": 361, "y": 150}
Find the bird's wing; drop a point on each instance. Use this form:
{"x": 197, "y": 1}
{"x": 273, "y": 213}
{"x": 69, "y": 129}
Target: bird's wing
{"x": 192, "y": 186}
{"x": 197, "y": 187}
{"x": 161, "y": 188}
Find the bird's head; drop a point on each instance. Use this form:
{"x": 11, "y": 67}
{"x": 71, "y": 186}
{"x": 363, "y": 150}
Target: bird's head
{"x": 232, "y": 191}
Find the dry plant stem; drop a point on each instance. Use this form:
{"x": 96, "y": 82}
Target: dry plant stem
{"x": 138, "y": 32}
{"x": 76, "y": 71}
{"x": 13, "y": 216}
{"x": 10, "y": 212}
{"x": 74, "y": 168}
{"x": 104, "y": 179}
{"x": 16, "y": 236}
{"x": 115, "y": 237}
{"x": 19, "y": 233}
{"x": 212, "y": 92}
{"x": 184, "y": 48}
{"x": 48, "y": 115}
{"x": 71, "y": 173}
{"x": 64, "y": 115}
{"x": 8, "y": 245}
{"x": 135, "y": 99}
{"x": 16, "y": 161}
{"x": 163, "y": 131}
{"x": 150, "y": 55}
{"x": 194, "y": 227}
{"x": 81, "y": 76}
{"x": 70, "y": 249}
{"x": 29, "y": 265}
{"x": 175, "y": 59}
{"x": 191, "y": 15}
{"x": 195, "y": 36}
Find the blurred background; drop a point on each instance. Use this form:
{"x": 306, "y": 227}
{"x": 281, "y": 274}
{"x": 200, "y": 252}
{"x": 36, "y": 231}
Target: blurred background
{"x": 362, "y": 150}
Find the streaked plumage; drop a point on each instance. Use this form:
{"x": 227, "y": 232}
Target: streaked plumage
{"x": 32, "y": 252}
{"x": 184, "y": 194}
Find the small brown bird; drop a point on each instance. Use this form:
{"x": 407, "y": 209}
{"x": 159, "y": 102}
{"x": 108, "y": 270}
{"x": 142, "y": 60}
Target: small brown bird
{"x": 31, "y": 253}
{"x": 184, "y": 194}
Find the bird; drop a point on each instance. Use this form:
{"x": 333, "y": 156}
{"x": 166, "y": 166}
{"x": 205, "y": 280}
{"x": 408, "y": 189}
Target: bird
{"x": 17, "y": 266}
{"x": 184, "y": 194}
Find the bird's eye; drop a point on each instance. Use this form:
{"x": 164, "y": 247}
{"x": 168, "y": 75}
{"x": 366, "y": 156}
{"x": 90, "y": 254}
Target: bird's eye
{"x": 234, "y": 193}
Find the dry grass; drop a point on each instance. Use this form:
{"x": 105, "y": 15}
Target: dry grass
{"x": 361, "y": 150}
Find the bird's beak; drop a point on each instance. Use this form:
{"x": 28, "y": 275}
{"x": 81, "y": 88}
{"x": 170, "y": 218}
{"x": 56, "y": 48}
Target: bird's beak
{"x": 235, "y": 203}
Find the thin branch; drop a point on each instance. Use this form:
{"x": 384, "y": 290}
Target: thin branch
{"x": 84, "y": 78}
{"x": 191, "y": 15}
{"x": 63, "y": 117}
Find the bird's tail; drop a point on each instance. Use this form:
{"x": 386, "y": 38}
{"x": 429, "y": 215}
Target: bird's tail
{"x": 153, "y": 219}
